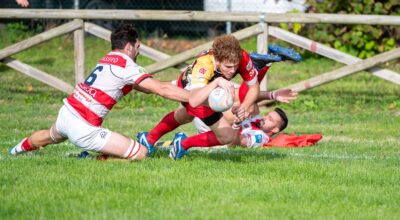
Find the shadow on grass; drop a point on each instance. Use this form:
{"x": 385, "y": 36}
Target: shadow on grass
{"x": 43, "y": 61}
{"x": 241, "y": 156}
{"x": 223, "y": 155}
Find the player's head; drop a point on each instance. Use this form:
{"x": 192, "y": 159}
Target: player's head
{"x": 274, "y": 122}
{"x": 125, "y": 38}
{"x": 227, "y": 53}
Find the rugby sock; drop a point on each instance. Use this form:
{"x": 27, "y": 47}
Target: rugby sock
{"x": 133, "y": 150}
{"x": 207, "y": 139}
{"x": 262, "y": 72}
{"x": 167, "y": 124}
{"x": 21, "y": 147}
{"x": 26, "y": 146}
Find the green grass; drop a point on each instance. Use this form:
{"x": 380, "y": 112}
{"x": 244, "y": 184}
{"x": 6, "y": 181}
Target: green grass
{"x": 353, "y": 173}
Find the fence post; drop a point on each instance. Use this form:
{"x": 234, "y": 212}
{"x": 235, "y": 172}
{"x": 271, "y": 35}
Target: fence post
{"x": 262, "y": 46}
{"x": 229, "y": 23}
{"x": 79, "y": 53}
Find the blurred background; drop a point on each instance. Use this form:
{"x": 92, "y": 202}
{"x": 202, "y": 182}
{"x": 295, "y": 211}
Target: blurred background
{"x": 170, "y": 28}
{"x": 359, "y": 40}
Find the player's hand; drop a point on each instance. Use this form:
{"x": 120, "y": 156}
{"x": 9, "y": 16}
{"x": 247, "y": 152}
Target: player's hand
{"x": 239, "y": 113}
{"x": 227, "y": 85}
{"x": 253, "y": 110}
{"x": 23, "y": 3}
{"x": 285, "y": 95}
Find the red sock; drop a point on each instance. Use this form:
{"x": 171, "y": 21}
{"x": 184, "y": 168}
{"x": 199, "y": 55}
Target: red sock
{"x": 26, "y": 146}
{"x": 167, "y": 124}
{"x": 262, "y": 72}
{"x": 207, "y": 139}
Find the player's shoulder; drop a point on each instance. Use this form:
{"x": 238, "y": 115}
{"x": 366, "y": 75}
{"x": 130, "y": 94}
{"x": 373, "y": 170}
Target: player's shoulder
{"x": 115, "y": 59}
{"x": 205, "y": 59}
{"x": 204, "y": 65}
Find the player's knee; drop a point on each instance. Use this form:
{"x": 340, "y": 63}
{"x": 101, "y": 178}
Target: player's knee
{"x": 226, "y": 138}
{"x": 54, "y": 136}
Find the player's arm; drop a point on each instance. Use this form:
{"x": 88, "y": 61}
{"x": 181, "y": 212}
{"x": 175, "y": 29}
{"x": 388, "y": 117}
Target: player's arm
{"x": 251, "y": 98}
{"x": 141, "y": 89}
{"x": 282, "y": 95}
{"x": 199, "y": 96}
{"x": 164, "y": 89}
{"x": 249, "y": 75}
{"x": 201, "y": 85}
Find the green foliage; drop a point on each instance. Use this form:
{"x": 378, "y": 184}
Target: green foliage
{"x": 295, "y": 27}
{"x": 17, "y": 31}
{"x": 359, "y": 40}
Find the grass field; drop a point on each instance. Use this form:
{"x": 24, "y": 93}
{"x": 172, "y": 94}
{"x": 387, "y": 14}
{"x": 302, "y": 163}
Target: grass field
{"x": 353, "y": 173}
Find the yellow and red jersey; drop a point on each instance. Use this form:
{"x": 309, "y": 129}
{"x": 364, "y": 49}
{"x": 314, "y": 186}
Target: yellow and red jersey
{"x": 203, "y": 71}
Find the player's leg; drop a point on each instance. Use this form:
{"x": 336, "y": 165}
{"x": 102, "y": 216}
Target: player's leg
{"x": 124, "y": 147}
{"x": 285, "y": 53}
{"x": 38, "y": 139}
{"x": 169, "y": 123}
{"x": 99, "y": 139}
{"x": 221, "y": 133}
{"x": 261, "y": 60}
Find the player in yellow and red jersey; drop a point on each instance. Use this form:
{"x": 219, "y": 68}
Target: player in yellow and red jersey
{"x": 213, "y": 68}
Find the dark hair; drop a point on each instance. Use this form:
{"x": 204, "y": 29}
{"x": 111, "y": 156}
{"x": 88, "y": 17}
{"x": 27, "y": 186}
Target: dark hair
{"x": 284, "y": 118}
{"x": 124, "y": 34}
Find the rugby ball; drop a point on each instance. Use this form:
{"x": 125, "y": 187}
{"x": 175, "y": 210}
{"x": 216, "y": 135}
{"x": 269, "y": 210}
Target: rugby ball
{"x": 220, "y": 100}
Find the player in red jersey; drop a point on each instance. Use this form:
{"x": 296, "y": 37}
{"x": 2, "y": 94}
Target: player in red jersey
{"x": 211, "y": 69}
{"x": 81, "y": 116}
{"x": 257, "y": 130}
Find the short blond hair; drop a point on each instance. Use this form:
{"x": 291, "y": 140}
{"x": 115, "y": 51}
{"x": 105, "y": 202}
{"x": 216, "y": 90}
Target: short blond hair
{"x": 227, "y": 48}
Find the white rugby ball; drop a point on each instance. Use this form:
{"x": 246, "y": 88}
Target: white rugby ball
{"x": 220, "y": 100}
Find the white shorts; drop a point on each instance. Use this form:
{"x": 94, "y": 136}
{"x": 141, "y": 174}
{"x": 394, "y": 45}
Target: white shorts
{"x": 200, "y": 125}
{"x": 80, "y": 132}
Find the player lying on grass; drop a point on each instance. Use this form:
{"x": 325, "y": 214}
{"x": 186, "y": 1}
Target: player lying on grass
{"x": 257, "y": 130}
{"x": 211, "y": 69}
{"x": 83, "y": 112}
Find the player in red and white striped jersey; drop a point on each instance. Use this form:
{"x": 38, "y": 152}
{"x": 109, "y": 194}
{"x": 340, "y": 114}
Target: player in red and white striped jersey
{"x": 83, "y": 112}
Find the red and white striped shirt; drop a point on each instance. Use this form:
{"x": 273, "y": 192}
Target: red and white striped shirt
{"x": 114, "y": 77}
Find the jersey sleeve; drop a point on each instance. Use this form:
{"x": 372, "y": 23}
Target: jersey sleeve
{"x": 247, "y": 70}
{"x": 135, "y": 74}
{"x": 202, "y": 73}
{"x": 255, "y": 138}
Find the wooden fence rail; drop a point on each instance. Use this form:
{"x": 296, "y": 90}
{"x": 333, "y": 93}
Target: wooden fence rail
{"x": 330, "y": 53}
{"x": 40, "y": 38}
{"x": 163, "y": 60}
{"x": 106, "y": 35}
{"x": 199, "y": 16}
{"x": 38, "y": 75}
{"x": 186, "y": 55}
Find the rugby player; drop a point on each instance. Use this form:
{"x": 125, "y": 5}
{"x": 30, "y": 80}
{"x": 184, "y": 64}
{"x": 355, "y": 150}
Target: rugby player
{"x": 213, "y": 68}
{"x": 80, "y": 118}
